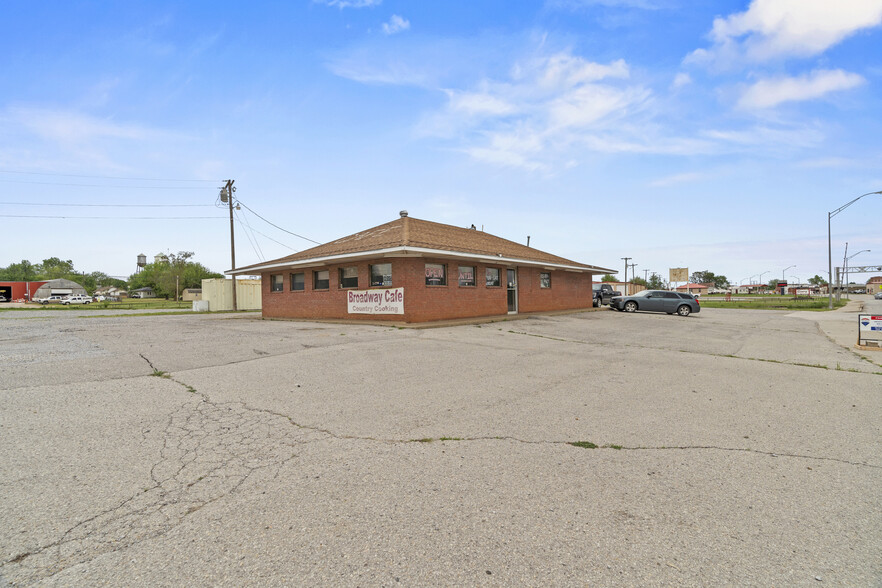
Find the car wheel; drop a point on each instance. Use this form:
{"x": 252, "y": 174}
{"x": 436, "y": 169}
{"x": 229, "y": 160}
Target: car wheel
{"x": 630, "y": 306}
{"x": 684, "y": 310}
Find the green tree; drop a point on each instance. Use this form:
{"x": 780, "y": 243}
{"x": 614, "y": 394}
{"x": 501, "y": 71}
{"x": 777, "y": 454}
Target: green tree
{"x": 167, "y": 278}
{"x": 54, "y": 268}
{"x": 639, "y": 282}
{"x": 817, "y": 280}
{"x": 608, "y": 278}
{"x": 20, "y": 272}
{"x": 708, "y": 277}
{"x": 655, "y": 282}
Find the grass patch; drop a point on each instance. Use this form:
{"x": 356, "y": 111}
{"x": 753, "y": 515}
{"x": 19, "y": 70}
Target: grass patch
{"x": 772, "y": 303}
{"x": 160, "y": 373}
{"x": 583, "y": 444}
{"x": 450, "y": 438}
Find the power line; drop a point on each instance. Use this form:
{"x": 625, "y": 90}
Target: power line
{"x": 67, "y": 184}
{"x": 277, "y": 226}
{"x": 270, "y": 238}
{"x": 6, "y": 171}
{"x": 101, "y": 205}
{"x": 113, "y": 217}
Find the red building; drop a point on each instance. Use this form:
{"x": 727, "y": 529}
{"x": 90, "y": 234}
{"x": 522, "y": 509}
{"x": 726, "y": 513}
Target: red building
{"x": 411, "y": 270}
{"x": 19, "y": 290}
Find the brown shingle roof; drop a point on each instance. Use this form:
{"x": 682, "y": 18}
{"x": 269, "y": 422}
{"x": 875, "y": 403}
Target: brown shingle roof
{"x": 407, "y": 232}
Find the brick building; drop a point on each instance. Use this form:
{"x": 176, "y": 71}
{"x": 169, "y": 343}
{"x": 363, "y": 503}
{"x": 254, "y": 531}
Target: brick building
{"x": 412, "y": 270}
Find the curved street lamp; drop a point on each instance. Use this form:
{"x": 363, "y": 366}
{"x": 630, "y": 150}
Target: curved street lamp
{"x": 829, "y": 246}
{"x": 846, "y": 267}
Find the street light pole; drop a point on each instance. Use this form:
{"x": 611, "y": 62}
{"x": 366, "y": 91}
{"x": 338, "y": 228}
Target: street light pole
{"x": 762, "y": 274}
{"x": 829, "y": 244}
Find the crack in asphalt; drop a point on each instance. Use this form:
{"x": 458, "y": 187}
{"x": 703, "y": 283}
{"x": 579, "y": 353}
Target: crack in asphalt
{"x": 210, "y": 450}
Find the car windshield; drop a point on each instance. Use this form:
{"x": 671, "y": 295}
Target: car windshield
{"x": 643, "y": 293}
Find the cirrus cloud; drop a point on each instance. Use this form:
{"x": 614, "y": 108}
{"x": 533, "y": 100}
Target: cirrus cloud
{"x": 768, "y": 93}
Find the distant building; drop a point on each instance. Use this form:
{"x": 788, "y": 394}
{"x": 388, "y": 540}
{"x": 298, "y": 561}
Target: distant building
{"x": 190, "y": 294}
{"x": 59, "y": 287}
{"x": 694, "y": 288}
{"x": 145, "y": 292}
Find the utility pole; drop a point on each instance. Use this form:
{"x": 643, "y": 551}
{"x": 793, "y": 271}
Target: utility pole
{"x": 627, "y": 259}
{"x": 646, "y": 275}
{"x": 226, "y": 195}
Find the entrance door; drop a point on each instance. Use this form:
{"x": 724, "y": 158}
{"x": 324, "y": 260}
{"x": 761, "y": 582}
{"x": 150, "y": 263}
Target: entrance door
{"x": 512, "y": 291}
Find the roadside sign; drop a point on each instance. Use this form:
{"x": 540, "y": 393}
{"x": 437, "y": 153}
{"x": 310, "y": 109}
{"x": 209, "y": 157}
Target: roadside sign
{"x": 869, "y": 327}
{"x": 679, "y": 274}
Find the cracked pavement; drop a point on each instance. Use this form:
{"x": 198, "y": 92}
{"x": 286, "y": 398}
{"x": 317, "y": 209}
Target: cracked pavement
{"x": 733, "y": 447}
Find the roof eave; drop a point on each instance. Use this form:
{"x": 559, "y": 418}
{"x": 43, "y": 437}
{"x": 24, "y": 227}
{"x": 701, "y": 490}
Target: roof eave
{"x": 417, "y": 252}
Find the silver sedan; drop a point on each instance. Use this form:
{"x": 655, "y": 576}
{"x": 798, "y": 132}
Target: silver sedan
{"x": 657, "y": 301}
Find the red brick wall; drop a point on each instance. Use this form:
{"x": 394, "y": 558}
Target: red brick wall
{"x": 568, "y": 291}
{"x": 426, "y": 303}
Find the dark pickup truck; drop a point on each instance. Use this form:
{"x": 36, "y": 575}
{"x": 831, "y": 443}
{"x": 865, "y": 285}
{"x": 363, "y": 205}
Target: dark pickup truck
{"x": 603, "y": 293}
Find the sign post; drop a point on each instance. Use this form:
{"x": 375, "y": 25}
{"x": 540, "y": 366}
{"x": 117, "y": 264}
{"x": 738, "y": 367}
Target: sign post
{"x": 870, "y": 328}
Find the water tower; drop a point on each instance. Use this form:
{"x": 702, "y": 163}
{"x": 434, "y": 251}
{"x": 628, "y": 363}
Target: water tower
{"x": 142, "y": 261}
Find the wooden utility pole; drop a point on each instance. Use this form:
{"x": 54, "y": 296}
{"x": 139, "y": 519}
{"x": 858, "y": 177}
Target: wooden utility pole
{"x": 227, "y": 193}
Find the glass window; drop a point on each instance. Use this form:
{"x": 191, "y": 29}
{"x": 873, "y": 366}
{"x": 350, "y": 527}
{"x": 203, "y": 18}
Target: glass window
{"x": 298, "y": 282}
{"x": 277, "y": 283}
{"x": 436, "y": 274}
{"x": 545, "y": 280}
{"x": 381, "y": 274}
{"x": 349, "y": 277}
{"x": 466, "y": 275}
{"x": 492, "y": 276}
{"x": 321, "y": 280}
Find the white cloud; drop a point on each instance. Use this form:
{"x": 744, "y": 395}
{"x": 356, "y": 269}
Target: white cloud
{"x": 72, "y": 127}
{"x": 771, "y": 92}
{"x": 341, "y": 4}
{"x": 396, "y": 24}
{"x": 773, "y": 28}
{"x": 680, "y": 80}
{"x": 547, "y": 105}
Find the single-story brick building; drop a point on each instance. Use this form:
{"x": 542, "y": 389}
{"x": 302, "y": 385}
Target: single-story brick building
{"x": 412, "y": 270}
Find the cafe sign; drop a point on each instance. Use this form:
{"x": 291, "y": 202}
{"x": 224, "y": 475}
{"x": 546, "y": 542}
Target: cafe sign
{"x": 388, "y": 301}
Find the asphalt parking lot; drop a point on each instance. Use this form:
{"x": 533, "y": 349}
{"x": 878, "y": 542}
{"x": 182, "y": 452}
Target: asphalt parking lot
{"x": 726, "y": 448}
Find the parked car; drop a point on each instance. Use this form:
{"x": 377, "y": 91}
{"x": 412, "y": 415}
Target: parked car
{"x": 878, "y": 295}
{"x": 49, "y": 300}
{"x": 657, "y": 301}
{"x": 603, "y": 293}
{"x": 76, "y": 299}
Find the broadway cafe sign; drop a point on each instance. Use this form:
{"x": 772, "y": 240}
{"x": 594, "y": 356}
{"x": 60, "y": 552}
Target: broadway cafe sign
{"x": 389, "y": 301}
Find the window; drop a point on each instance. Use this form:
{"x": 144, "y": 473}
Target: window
{"x": 466, "y": 275}
{"x": 321, "y": 280}
{"x": 492, "y": 276}
{"x": 436, "y": 274}
{"x": 298, "y": 282}
{"x": 277, "y": 283}
{"x": 349, "y": 277}
{"x": 381, "y": 274}
{"x": 545, "y": 280}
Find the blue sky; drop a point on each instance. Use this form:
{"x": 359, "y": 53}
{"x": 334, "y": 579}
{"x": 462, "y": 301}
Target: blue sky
{"x": 707, "y": 135}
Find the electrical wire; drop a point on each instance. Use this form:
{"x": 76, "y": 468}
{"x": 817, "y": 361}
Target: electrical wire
{"x": 112, "y": 217}
{"x": 273, "y": 240}
{"x": 277, "y": 226}
{"x": 102, "y": 205}
{"x": 249, "y": 236}
{"x": 106, "y": 185}
{"x": 251, "y": 231}
{"x": 7, "y": 171}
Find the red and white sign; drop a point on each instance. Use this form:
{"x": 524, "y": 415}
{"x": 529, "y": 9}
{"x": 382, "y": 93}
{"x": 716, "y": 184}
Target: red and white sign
{"x": 389, "y": 301}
